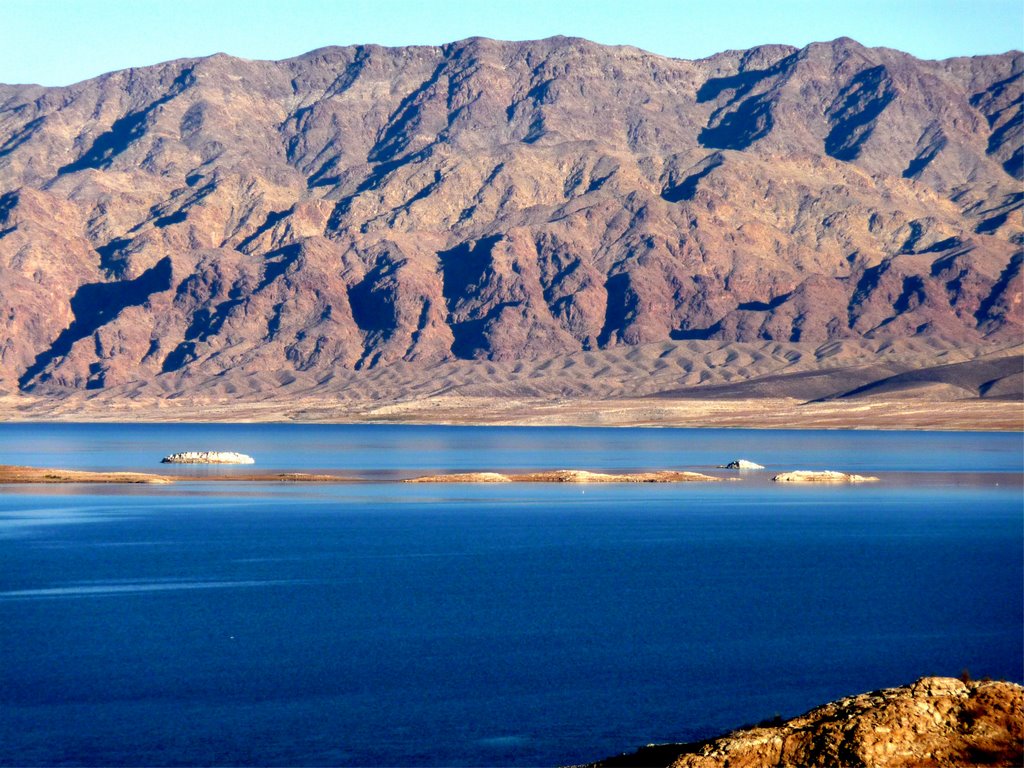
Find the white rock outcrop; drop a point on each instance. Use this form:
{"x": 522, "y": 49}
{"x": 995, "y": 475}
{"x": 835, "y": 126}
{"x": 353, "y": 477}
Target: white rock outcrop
{"x": 208, "y": 457}
{"x": 822, "y": 476}
{"x": 741, "y": 464}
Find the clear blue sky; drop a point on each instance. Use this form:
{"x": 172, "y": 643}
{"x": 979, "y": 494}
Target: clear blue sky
{"x": 57, "y": 42}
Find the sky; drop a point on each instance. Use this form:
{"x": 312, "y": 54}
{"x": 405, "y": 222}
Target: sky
{"x": 58, "y": 42}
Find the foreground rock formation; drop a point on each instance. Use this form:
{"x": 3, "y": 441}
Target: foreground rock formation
{"x": 935, "y": 723}
{"x": 239, "y": 226}
{"x": 821, "y": 476}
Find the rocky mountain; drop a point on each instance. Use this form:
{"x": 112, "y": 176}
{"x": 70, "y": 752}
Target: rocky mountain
{"x": 936, "y": 722}
{"x": 357, "y": 207}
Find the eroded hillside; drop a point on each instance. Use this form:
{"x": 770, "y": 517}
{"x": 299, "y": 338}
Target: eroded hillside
{"x": 355, "y": 207}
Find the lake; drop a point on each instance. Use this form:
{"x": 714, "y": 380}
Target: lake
{"x": 388, "y": 624}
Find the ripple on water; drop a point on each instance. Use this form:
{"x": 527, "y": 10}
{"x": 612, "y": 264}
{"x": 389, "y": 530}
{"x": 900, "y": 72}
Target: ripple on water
{"x": 115, "y": 588}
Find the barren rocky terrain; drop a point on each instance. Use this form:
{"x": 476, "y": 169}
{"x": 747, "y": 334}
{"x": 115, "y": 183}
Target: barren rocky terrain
{"x": 916, "y": 384}
{"x": 363, "y": 228}
{"x": 934, "y": 723}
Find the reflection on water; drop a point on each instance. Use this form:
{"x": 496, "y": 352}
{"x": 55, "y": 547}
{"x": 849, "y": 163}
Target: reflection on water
{"x": 115, "y": 588}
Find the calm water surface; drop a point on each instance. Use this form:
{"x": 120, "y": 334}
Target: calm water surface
{"x": 385, "y": 624}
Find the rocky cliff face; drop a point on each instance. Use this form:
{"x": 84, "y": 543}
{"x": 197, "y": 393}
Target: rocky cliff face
{"x": 354, "y": 207}
{"x": 936, "y": 722}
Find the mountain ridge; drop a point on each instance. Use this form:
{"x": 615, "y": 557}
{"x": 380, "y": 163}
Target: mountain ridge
{"x": 501, "y": 41}
{"x": 357, "y": 206}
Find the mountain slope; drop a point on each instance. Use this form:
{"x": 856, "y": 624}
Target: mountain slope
{"x": 356, "y": 207}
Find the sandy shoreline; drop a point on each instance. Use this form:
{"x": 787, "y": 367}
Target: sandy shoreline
{"x": 461, "y": 410}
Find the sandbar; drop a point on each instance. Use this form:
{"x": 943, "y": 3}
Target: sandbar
{"x": 569, "y": 476}
{"x": 42, "y": 475}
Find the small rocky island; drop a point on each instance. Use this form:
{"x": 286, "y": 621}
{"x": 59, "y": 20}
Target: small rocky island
{"x": 742, "y": 464}
{"x": 208, "y": 457}
{"x": 822, "y": 476}
{"x": 568, "y": 476}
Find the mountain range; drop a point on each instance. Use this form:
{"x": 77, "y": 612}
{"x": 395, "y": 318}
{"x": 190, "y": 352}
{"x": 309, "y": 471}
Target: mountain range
{"x": 215, "y": 219}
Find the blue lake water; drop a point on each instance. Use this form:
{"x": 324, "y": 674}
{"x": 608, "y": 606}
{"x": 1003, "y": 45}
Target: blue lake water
{"x": 388, "y": 624}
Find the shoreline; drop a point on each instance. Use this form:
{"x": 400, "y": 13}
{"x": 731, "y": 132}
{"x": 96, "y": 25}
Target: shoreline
{"x": 884, "y": 415}
{"x": 925, "y": 383}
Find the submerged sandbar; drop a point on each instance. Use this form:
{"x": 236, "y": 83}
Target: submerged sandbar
{"x": 42, "y": 475}
{"x": 16, "y": 474}
{"x": 569, "y": 476}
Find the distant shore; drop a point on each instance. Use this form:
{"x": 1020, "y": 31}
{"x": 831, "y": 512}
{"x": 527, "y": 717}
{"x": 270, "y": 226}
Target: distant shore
{"x": 752, "y": 413}
{"x": 911, "y": 384}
